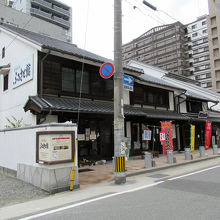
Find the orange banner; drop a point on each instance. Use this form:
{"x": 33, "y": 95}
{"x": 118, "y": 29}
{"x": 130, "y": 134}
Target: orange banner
{"x": 166, "y": 127}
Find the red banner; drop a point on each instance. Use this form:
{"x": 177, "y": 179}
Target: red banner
{"x": 208, "y": 134}
{"x": 166, "y": 127}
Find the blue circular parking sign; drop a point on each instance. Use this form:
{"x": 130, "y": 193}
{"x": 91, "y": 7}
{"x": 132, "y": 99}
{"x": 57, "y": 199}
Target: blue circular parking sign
{"x": 106, "y": 70}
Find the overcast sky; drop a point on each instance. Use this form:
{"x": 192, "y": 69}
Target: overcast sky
{"x": 93, "y": 21}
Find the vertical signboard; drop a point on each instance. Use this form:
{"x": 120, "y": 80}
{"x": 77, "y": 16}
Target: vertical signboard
{"x": 166, "y": 127}
{"x": 208, "y": 134}
{"x": 192, "y": 137}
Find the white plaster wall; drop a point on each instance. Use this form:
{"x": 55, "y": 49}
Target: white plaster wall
{"x": 18, "y": 146}
{"x": 12, "y": 101}
{"x": 183, "y": 108}
{"x": 126, "y": 97}
{"x": 171, "y": 101}
{"x": 51, "y": 119}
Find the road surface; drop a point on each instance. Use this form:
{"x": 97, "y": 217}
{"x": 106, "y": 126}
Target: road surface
{"x": 192, "y": 196}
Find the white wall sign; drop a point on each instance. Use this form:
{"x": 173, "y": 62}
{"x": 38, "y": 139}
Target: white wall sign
{"x": 23, "y": 72}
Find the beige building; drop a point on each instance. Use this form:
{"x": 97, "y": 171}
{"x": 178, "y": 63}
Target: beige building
{"x": 214, "y": 42}
{"x": 163, "y": 46}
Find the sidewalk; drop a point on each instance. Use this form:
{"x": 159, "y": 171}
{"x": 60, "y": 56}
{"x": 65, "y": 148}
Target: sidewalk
{"x": 134, "y": 166}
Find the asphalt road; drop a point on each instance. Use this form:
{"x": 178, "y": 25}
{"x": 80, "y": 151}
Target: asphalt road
{"x": 194, "y": 196}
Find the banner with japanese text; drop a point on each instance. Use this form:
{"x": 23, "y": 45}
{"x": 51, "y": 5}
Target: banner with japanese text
{"x": 166, "y": 127}
{"x": 208, "y": 134}
{"x": 192, "y": 137}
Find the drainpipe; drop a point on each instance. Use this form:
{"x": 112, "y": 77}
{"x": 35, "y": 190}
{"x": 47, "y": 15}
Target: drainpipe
{"x": 178, "y": 104}
{"x": 42, "y": 71}
{"x": 178, "y": 126}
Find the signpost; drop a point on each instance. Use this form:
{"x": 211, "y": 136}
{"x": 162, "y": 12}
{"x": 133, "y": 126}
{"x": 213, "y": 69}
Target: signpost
{"x": 106, "y": 70}
{"x": 128, "y": 82}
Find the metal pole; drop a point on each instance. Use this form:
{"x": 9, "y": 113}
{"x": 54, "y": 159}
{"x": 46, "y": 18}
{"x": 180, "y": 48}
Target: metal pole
{"x": 120, "y": 176}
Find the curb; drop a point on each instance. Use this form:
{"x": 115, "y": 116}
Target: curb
{"x": 169, "y": 166}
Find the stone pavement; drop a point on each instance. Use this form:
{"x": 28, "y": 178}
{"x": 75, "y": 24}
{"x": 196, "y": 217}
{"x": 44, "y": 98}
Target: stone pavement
{"x": 134, "y": 166}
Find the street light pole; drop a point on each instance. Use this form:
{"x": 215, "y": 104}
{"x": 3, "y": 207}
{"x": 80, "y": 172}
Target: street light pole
{"x": 119, "y": 157}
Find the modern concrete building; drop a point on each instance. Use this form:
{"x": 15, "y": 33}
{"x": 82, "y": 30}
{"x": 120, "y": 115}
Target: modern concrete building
{"x": 164, "y": 46}
{"x": 199, "y": 60}
{"x": 50, "y": 18}
{"x": 214, "y": 42}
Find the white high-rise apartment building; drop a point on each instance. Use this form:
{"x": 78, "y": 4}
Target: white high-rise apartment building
{"x": 214, "y": 42}
{"x": 198, "y": 45}
{"x": 48, "y": 17}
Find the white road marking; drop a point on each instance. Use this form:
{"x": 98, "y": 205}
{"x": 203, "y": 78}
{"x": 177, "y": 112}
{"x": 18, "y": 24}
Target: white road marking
{"x": 112, "y": 195}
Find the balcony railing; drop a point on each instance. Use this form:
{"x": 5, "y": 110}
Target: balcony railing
{"x": 61, "y": 21}
{"x": 61, "y": 10}
{"x": 40, "y": 13}
{"x": 42, "y": 3}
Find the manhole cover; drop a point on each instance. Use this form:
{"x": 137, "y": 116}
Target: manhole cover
{"x": 85, "y": 170}
{"x": 158, "y": 175}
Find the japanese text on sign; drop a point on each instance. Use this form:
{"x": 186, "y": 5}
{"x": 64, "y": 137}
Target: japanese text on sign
{"x": 23, "y": 72}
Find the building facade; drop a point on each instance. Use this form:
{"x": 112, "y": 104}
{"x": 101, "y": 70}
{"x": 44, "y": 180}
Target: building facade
{"x": 163, "y": 46}
{"x": 199, "y": 59}
{"x": 214, "y": 42}
{"x": 43, "y": 17}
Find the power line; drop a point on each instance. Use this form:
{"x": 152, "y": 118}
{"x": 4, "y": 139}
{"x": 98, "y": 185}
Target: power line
{"x": 83, "y": 65}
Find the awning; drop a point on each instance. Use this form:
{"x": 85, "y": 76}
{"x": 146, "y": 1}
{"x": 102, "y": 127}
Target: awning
{"x": 165, "y": 115}
{"x": 56, "y": 104}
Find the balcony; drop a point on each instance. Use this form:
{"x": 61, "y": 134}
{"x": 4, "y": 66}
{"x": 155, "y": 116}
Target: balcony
{"x": 42, "y": 3}
{"x": 41, "y": 14}
{"x": 61, "y": 22}
{"x": 61, "y": 11}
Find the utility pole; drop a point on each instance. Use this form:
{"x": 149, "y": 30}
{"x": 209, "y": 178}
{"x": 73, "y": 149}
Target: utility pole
{"x": 119, "y": 157}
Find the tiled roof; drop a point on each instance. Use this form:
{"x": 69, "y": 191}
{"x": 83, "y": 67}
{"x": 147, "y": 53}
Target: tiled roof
{"x": 61, "y": 46}
{"x": 50, "y": 103}
{"x": 158, "y": 81}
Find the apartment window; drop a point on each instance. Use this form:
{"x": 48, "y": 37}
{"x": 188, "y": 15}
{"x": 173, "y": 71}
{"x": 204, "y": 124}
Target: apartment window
{"x": 195, "y": 43}
{"x": 3, "y": 52}
{"x": 196, "y": 59}
{"x": 216, "y": 52}
{"x": 213, "y": 20}
{"x": 208, "y": 75}
{"x": 197, "y": 68}
{"x": 194, "y": 35}
{"x": 5, "y": 83}
{"x": 205, "y": 39}
{"x": 204, "y": 22}
{"x": 217, "y": 73}
{"x": 204, "y": 31}
{"x": 209, "y": 84}
{"x": 194, "y": 26}
{"x": 215, "y": 41}
{"x": 217, "y": 63}
{"x": 214, "y": 31}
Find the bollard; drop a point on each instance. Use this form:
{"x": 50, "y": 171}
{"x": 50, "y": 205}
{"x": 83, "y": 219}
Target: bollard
{"x": 148, "y": 159}
{"x": 215, "y": 149}
{"x": 202, "y": 151}
{"x": 188, "y": 154}
{"x": 170, "y": 156}
{"x": 113, "y": 164}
